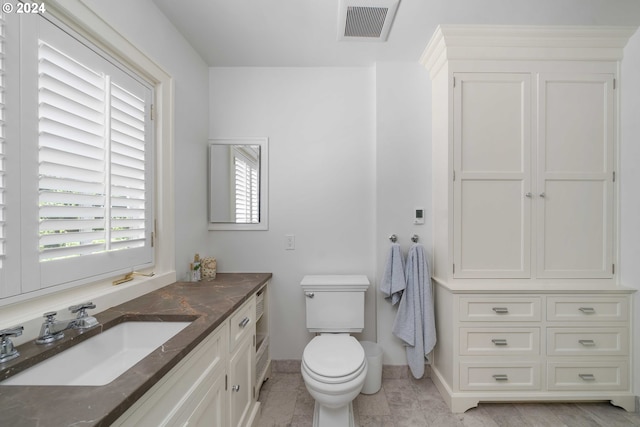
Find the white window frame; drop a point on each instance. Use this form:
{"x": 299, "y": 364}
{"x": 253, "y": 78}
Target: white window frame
{"x": 79, "y": 17}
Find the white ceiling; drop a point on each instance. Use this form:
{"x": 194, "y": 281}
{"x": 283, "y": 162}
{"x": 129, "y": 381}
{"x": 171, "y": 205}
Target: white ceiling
{"x": 291, "y": 33}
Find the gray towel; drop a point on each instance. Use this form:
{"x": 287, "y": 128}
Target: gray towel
{"x": 415, "y": 323}
{"x": 393, "y": 281}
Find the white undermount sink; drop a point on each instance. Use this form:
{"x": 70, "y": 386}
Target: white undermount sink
{"x": 101, "y": 358}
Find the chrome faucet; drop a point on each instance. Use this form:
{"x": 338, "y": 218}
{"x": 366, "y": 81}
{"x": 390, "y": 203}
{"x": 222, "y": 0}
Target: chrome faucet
{"x": 53, "y": 330}
{"x": 7, "y": 350}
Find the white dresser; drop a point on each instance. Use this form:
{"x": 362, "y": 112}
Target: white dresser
{"x": 525, "y": 157}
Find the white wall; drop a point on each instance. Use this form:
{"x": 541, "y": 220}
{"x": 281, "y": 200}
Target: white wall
{"x": 403, "y": 175}
{"x": 321, "y": 128}
{"x": 629, "y": 181}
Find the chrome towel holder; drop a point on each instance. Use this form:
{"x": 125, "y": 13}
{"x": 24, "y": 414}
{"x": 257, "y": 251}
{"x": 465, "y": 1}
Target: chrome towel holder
{"x": 394, "y": 238}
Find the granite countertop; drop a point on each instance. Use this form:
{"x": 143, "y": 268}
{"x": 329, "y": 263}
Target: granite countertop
{"x": 207, "y": 303}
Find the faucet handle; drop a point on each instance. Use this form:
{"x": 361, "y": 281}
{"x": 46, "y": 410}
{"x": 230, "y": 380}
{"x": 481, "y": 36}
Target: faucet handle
{"x": 50, "y": 316}
{"x": 11, "y": 332}
{"x": 81, "y": 309}
{"x": 7, "y": 350}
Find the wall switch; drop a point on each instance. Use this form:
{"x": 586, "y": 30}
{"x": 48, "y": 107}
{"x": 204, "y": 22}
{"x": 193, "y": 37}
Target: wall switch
{"x": 290, "y": 242}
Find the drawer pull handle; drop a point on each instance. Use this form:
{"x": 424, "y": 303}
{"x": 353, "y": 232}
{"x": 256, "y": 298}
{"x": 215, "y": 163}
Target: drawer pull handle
{"x": 587, "y": 310}
{"x": 587, "y": 343}
{"x": 499, "y": 341}
{"x": 235, "y": 388}
{"x": 309, "y": 294}
{"x": 587, "y": 377}
{"x": 244, "y": 322}
{"x": 501, "y": 377}
{"x": 501, "y": 310}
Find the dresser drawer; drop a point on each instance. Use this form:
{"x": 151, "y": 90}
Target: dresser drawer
{"x": 591, "y": 341}
{"x": 242, "y": 323}
{"x": 500, "y": 376}
{"x": 588, "y": 376}
{"x": 587, "y": 309}
{"x": 499, "y": 309}
{"x": 499, "y": 341}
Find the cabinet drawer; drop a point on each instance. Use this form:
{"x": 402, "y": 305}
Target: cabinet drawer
{"x": 583, "y": 341}
{"x": 496, "y": 309}
{"x": 500, "y": 376}
{"x": 587, "y": 309}
{"x": 499, "y": 341}
{"x": 595, "y": 375}
{"x": 242, "y": 323}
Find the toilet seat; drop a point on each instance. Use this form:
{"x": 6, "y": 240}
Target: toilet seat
{"x": 334, "y": 358}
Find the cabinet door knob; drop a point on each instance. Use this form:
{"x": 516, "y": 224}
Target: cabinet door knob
{"x": 310, "y": 294}
{"x": 235, "y": 388}
{"x": 543, "y": 195}
{"x": 529, "y": 195}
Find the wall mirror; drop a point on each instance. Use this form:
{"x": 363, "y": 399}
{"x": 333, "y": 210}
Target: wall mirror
{"x": 238, "y": 184}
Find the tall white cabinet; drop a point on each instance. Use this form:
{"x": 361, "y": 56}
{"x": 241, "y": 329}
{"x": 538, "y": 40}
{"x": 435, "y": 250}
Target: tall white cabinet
{"x": 528, "y": 305}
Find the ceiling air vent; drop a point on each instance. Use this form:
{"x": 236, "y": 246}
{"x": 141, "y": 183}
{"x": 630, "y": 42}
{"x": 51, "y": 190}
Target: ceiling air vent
{"x": 366, "y": 20}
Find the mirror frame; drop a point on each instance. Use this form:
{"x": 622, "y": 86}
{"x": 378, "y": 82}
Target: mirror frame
{"x": 264, "y": 184}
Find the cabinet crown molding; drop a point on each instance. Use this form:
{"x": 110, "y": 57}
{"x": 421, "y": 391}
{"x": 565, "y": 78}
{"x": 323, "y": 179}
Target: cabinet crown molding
{"x": 523, "y": 42}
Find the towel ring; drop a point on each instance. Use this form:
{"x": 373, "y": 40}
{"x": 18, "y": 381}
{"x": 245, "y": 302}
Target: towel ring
{"x": 415, "y": 238}
{"x": 393, "y": 238}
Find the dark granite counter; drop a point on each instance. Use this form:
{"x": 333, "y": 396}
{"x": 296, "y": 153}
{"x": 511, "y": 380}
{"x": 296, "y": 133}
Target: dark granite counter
{"x": 206, "y": 303}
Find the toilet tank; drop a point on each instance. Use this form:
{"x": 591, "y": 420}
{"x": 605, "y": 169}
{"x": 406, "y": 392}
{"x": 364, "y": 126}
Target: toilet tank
{"x": 335, "y": 303}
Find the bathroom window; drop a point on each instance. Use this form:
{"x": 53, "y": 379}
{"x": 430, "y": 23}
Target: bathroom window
{"x": 83, "y": 140}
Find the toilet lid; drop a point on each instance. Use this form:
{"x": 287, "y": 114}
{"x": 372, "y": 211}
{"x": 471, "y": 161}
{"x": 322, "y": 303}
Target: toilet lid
{"x": 333, "y": 355}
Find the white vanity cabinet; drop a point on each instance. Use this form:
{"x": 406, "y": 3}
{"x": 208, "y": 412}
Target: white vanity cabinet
{"x": 524, "y": 151}
{"x": 213, "y": 386}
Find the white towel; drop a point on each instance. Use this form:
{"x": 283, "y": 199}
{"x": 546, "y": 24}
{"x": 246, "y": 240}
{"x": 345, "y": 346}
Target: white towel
{"x": 393, "y": 281}
{"x": 415, "y": 322}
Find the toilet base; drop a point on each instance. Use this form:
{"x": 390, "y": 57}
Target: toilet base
{"x": 333, "y": 417}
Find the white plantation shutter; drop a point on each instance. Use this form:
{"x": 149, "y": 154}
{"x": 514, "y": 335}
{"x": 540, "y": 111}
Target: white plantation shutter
{"x": 76, "y": 161}
{"x": 128, "y": 179}
{"x": 246, "y": 185}
{"x": 71, "y": 157}
{"x": 94, "y": 162}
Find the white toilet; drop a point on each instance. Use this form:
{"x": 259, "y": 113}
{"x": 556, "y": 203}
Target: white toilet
{"x": 334, "y": 365}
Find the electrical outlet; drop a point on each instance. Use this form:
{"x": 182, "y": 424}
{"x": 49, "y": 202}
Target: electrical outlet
{"x": 290, "y": 242}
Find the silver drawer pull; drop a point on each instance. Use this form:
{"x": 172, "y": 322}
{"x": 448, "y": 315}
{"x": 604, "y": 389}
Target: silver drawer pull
{"x": 235, "y": 388}
{"x": 587, "y": 343}
{"x": 587, "y": 377}
{"x": 310, "y": 294}
{"x": 499, "y": 341}
{"x": 587, "y": 310}
{"x": 244, "y": 322}
{"x": 501, "y": 377}
{"x": 500, "y": 310}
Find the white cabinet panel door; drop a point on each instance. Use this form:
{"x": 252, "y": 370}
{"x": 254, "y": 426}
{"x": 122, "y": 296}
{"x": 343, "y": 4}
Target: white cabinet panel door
{"x": 575, "y": 176}
{"x": 492, "y": 164}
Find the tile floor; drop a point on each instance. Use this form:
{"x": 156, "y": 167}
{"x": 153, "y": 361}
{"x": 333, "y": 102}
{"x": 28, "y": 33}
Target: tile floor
{"x": 408, "y": 402}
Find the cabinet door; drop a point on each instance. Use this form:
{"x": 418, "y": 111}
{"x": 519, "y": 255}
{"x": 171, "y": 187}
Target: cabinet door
{"x": 492, "y": 166}
{"x": 211, "y": 410}
{"x": 241, "y": 381}
{"x": 575, "y": 176}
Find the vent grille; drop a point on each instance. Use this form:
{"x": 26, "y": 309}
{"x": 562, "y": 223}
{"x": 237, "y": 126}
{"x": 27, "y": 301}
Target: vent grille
{"x": 365, "y": 21}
